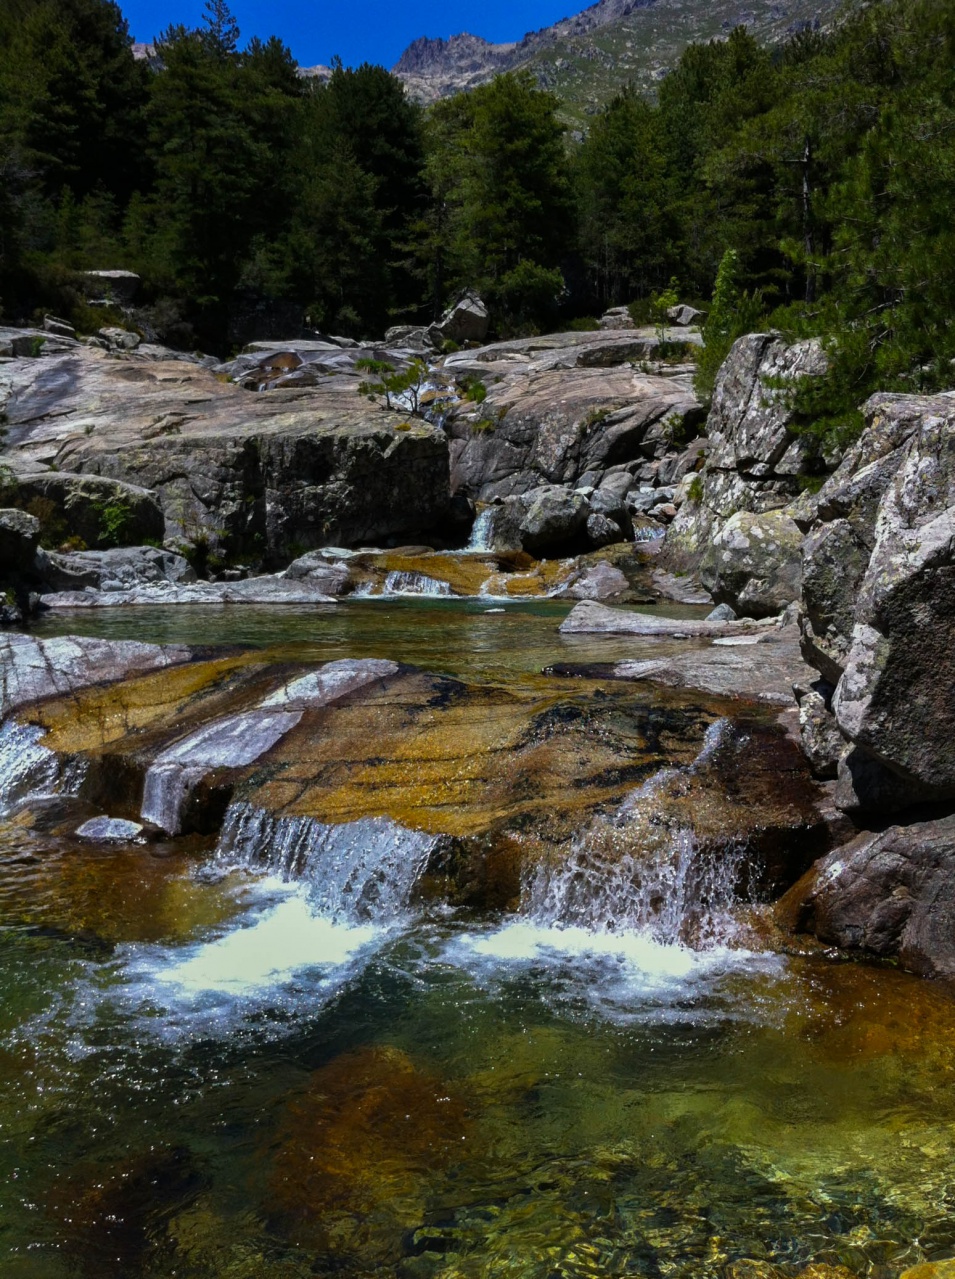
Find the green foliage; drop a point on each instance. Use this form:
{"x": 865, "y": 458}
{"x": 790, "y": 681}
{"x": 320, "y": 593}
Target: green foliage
{"x": 474, "y": 391}
{"x": 114, "y": 518}
{"x": 814, "y": 182}
{"x": 500, "y": 201}
{"x": 694, "y": 490}
{"x": 660, "y": 304}
{"x": 583, "y": 324}
{"x": 405, "y": 386}
{"x": 733, "y": 312}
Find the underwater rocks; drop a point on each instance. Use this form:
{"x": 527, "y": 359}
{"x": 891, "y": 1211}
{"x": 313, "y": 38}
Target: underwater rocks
{"x": 358, "y": 1149}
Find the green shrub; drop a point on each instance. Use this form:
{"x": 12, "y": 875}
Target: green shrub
{"x": 583, "y": 324}
{"x": 115, "y": 518}
{"x": 732, "y": 314}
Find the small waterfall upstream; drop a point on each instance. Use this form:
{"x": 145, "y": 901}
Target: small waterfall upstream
{"x": 27, "y": 767}
{"x": 481, "y": 530}
{"x": 417, "y": 584}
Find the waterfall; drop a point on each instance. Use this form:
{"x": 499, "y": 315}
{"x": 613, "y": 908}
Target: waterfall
{"x": 481, "y": 531}
{"x": 28, "y": 768}
{"x": 629, "y": 873}
{"x": 355, "y": 871}
{"x": 226, "y": 743}
{"x": 414, "y": 584}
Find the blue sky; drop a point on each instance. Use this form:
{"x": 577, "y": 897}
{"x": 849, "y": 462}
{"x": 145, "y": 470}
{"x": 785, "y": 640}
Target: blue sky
{"x": 363, "y": 30}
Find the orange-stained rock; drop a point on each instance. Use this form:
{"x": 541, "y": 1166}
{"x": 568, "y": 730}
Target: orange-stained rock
{"x": 931, "y": 1270}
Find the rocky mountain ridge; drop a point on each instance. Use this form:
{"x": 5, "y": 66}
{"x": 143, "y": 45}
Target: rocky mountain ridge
{"x": 586, "y": 57}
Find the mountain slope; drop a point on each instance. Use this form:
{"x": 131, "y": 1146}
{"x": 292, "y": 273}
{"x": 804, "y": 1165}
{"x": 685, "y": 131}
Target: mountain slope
{"x": 584, "y": 59}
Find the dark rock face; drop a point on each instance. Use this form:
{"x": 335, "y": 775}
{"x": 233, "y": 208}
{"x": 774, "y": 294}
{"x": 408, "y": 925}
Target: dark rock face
{"x": 891, "y": 893}
{"x": 101, "y": 512}
{"x": 19, "y": 537}
{"x": 879, "y": 604}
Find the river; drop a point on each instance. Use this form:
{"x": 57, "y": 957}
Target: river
{"x": 213, "y": 1068}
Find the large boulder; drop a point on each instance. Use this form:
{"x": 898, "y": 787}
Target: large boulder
{"x": 101, "y": 512}
{"x": 466, "y": 321}
{"x": 756, "y": 457}
{"x": 553, "y": 518}
{"x": 754, "y": 563}
{"x": 879, "y": 604}
{"x": 264, "y": 477}
{"x": 888, "y": 894}
{"x": 895, "y": 698}
{"x": 546, "y": 521}
{"x": 569, "y": 412}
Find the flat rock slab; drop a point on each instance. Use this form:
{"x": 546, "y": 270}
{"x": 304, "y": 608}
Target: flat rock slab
{"x": 759, "y": 668}
{"x": 32, "y": 670}
{"x": 591, "y": 618}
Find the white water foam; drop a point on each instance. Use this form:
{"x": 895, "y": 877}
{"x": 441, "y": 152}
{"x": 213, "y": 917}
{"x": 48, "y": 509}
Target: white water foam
{"x": 636, "y": 919}
{"x": 268, "y": 950}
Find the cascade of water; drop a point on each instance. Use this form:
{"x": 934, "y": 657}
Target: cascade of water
{"x": 404, "y": 583}
{"x": 225, "y": 743}
{"x": 356, "y": 871}
{"x": 629, "y": 873}
{"x": 481, "y": 531}
{"x": 29, "y": 768}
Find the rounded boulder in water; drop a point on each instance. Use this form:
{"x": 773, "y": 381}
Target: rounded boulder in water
{"x": 110, "y": 830}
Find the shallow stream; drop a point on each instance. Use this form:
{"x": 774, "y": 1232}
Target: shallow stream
{"x": 210, "y": 1072}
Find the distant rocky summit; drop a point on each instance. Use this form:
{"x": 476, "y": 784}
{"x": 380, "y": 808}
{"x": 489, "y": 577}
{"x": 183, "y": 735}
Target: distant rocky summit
{"x": 587, "y": 57}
